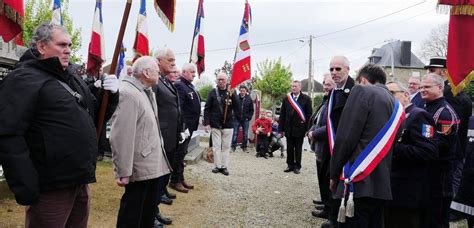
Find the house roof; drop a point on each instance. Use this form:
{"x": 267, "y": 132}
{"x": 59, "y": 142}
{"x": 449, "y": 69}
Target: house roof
{"x": 383, "y": 56}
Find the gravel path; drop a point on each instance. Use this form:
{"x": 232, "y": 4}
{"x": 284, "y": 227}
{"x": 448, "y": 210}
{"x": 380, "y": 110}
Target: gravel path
{"x": 256, "y": 193}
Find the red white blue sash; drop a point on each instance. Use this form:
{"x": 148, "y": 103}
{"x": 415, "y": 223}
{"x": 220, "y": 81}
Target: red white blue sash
{"x": 329, "y": 125}
{"x": 371, "y": 156}
{"x": 296, "y": 107}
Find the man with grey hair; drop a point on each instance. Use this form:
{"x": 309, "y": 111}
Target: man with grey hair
{"x": 140, "y": 162}
{"x": 48, "y": 144}
{"x": 190, "y": 105}
{"x": 414, "y": 89}
{"x": 413, "y": 154}
{"x": 446, "y": 128}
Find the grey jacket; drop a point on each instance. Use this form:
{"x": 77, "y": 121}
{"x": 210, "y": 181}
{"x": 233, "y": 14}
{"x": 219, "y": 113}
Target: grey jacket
{"x": 135, "y": 138}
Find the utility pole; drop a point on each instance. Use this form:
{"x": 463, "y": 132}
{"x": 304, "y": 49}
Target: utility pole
{"x": 310, "y": 73}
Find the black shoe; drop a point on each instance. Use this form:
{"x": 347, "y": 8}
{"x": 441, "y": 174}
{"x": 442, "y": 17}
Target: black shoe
{"x": 282, "y": 155}
{"x": 164, "y": 199}
{"x": 319, "y": 207}
{"x": 169, "y": 194}
{"x": 233, "y": 149}
{"x": 287, "y": 170}
{"x": 157, "y": 224}
{"x": 216, "y": 170}
{"x": 328, "y": 224}
{"x": 163, "y": 220}
{"x": 297, "y": 171}
{"x": 320, "y": 214}
{"x": 224, "y": 171}
{"x": 271, "y": 154}
{"x": 315, "y": 201}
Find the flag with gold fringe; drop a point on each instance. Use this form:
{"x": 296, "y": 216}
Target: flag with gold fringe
{"x": 460, "y": 57}
{"x": 11, "y": 19}
{"x": 166, "y": 10}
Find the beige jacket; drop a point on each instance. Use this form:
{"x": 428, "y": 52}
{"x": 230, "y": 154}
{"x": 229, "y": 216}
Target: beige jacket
{"x": 135, "y": 138}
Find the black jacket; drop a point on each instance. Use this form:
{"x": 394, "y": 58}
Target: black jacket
{"x": 290, "y": 122}
{"x": 367, "y": 110}
{"x": 446, "y": 128}
{"x": 47, "y": 136}
{"x": 215, "y": 108}
{"x": 243, "y": 108}
{"x": 190, "y": 103}
{"x": 412, "y": 156}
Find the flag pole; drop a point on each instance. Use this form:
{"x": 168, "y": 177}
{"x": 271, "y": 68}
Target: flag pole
{"x": 113, "y": 66}
{"x": 194, "y": 31}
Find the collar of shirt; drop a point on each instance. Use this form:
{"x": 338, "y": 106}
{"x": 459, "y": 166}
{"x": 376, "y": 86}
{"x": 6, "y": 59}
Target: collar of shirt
{"x": 342, "y": 87}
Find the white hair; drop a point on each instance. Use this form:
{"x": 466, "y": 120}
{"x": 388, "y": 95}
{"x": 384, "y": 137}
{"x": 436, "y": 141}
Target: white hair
{"x": 399, "y": 85}
{"x": 437, "y": 78}
{"x": 343, "y": 58}
{"x": 143, "y": 63}
{"x": 188, "y": 67}
{"x": 162, "y": 52}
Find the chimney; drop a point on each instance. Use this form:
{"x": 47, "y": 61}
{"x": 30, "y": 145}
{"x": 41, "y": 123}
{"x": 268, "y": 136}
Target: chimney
{"x": 405, "y": 56}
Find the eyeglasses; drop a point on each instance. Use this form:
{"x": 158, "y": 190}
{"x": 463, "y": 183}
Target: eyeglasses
{"x": 220, "y": 79}
{"x": 335, "y": 68}
{"x": 428, "y": 86}
{"x": 396, "y": 91}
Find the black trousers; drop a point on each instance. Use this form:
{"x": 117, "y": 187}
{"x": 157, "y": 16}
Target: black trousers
{"x": 368, "y": 213}
{"x": 262, "y": 144}
{"x": 139, "y": 203}
{"x": 177, "y": 175}
{"x": 295, "y": 147}
{"x": 439, "y": 211}
{"x": 405, "y": 217}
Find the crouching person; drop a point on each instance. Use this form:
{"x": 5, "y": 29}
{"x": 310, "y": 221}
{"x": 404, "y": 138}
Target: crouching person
{"x": 262, "y": 128}
{"x": 140, "y": 162}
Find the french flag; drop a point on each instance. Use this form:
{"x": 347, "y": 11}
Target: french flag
{"x": 121, "y": 69}
{"x": 241, "y": 71}
{"x": 97, "y": 45}
{"x": 197, "y": 51}
{"x": 141, "y": 45}
{"x": 57, "y": 17}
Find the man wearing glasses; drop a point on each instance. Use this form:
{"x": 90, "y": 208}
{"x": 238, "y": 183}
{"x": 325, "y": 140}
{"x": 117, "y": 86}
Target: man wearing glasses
{"x": 446, "y": 128}
{"x": 414, "y": 89}
{"x": 462, "y": 106}
{"x": 412, "y": 156}
{"x": 339, "y": 69}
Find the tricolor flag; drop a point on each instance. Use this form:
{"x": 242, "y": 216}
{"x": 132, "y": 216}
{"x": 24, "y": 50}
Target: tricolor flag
{"x": 166, "y": 11}
{"x": 460, "y": 57}
{"x": 197, "y": 47}
{"x": 241, "y": 71}
{"x": 56, "y": 17}
{"x": 11, "y": 19}
{"x": 97, "y": 45}
{"x": 121, "y": 70}
{"x": 141, "y": 39}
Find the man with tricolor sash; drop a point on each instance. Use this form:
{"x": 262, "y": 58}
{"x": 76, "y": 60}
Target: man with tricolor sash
{"x": 295, "y": 113}
{"x": 446, "y": 129}
{"x": 362, "y": 152}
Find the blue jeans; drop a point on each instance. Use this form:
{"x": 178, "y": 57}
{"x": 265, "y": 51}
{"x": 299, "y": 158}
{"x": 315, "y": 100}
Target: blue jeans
{"x": 245, "y": 129}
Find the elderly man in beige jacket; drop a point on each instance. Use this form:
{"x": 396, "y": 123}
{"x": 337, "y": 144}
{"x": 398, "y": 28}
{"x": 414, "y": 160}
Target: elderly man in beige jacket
{"x": 140, "y": 162}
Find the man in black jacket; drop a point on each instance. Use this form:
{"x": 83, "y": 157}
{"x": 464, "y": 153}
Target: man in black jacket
{"x": 296, "y": 110}
{"x": 363, "y": 142}
{"x": 48, "y": 143}
{"x": 243, "y": 113}
{"x": 220, "y": 123}
{"x": 412, "y": 157}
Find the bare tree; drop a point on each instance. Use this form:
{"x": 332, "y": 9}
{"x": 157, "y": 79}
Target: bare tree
{"x": 436, "y": 44}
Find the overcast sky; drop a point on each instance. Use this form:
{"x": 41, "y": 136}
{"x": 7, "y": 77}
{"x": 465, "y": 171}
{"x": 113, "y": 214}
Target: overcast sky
{"x": 290, "y": 22}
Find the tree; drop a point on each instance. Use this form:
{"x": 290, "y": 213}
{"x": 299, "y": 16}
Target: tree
{"x": 226, "y": 68}
{"x": 273, "y": 79}
{"x": 436, "y": 44}
{"x": 39, "y": 11}
{"x": 204, "y": 91}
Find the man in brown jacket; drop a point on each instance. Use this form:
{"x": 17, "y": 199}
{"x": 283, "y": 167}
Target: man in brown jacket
{"x": 140, "y": 162}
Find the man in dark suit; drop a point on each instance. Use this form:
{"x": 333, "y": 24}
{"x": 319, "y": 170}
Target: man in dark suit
{"x": 190, "y": 105}
{"x": 369, "y": 107}
{"x": 167, "y": 101}
{"x": 412, "y": 156}
{"x": 296, "y": 110}
{"x": 414, "y": 89}
{"x": 339, "y": 69}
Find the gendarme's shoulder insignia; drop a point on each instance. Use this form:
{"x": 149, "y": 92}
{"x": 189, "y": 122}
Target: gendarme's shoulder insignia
{"x": 427, "y": 131}
{"x": 347, "y": 90}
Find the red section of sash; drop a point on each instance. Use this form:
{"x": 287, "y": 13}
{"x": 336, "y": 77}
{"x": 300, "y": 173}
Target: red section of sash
{"x": 292, "y": 103}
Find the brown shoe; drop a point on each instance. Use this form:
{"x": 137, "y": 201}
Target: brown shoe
{"x": 178, "y": 187}
{"x": 187, "y": 185}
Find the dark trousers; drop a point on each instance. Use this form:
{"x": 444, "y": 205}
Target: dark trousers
{"x": 368, "y": 213}
{"x": 295, "y": 146}
{"x": 177, "y": 175}
{"x": 139, "y": 203}
{"x": 67, "y": 207}
{"x": 440, "y": 212}
{"x": 331, "y": 205}
{"x": 262, "y": 144}
{"x": 404, "y": 217}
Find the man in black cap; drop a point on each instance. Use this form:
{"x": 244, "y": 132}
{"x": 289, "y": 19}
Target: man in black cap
{"x": 462, "y": 106}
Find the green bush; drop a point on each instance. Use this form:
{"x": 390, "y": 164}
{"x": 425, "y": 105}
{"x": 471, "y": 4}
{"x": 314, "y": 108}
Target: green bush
{"x": 204, "y": 91}
{"x": 317, "y": 100}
